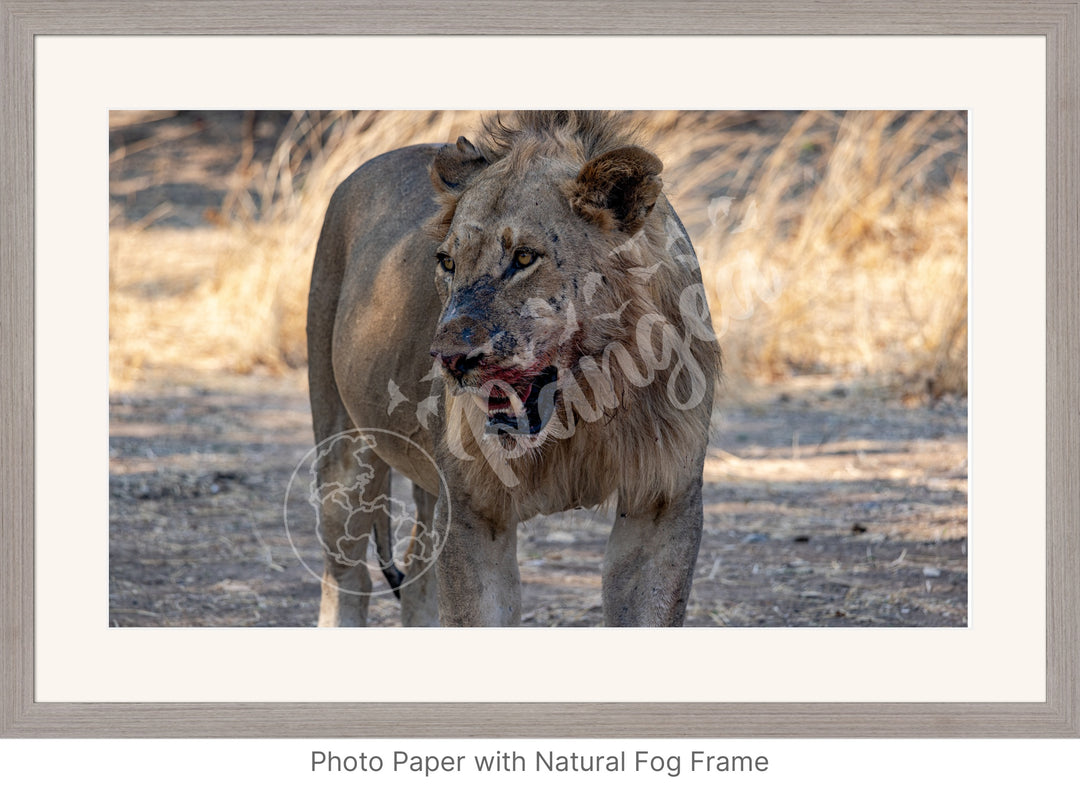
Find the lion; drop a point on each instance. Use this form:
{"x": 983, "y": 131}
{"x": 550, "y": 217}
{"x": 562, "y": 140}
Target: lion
{"x": 525, "y": 316}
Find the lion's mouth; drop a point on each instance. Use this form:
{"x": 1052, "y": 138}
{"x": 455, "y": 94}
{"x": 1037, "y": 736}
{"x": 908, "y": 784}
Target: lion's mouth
{"x": 522, "y": 407}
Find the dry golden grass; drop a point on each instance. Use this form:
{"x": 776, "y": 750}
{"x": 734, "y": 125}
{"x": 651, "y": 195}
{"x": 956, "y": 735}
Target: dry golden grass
{"x": 829, "y": 242}
{"x": 842, "y": 256}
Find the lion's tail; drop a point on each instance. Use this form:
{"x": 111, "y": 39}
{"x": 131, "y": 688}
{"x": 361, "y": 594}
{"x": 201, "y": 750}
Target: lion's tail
{"x": 384, "y": 548}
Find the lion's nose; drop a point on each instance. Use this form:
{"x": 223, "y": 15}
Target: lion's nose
{"x": 458, "y": 364}
{"x": 459, "y": 345}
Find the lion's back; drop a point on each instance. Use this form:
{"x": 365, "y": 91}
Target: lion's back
{"x": 372, "y": 296}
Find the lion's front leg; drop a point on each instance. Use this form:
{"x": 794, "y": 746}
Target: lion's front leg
{"x": 649, "y": 563}
{"x": 479, "y": 583}
{"x": 419, "y": 592}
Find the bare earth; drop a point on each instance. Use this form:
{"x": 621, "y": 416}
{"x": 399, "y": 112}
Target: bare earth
{"x": 825, "y": 505}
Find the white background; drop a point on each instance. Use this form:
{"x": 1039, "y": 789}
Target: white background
{"x": 1000, "y": 656}
{"x": 837, "y": 767}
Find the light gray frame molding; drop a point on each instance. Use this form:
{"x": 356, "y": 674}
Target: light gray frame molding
{"x": 21, "y": 716}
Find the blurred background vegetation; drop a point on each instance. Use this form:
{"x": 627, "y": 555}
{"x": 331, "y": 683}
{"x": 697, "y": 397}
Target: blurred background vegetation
{"x": 831, "y": 243}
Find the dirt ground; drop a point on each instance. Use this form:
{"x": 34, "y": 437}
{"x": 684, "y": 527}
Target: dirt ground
{"x": 827, "y": 503}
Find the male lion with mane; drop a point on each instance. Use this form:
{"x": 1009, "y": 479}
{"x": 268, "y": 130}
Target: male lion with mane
{"x": 525, "y": 316}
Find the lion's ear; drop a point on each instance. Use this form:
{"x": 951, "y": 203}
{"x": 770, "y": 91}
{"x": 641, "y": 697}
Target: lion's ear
{"x": 617, "y": 190}
{"x": 455, "y": 165}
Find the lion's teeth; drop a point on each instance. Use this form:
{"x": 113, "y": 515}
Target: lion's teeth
{"x": 500, "y": 396}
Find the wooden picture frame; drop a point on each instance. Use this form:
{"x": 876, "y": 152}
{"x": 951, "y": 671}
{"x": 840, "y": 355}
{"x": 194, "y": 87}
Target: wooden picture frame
{"x": 22, "y": 716}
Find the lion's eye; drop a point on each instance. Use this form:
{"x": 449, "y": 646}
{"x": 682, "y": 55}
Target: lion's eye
{"x": 446, "y": 262}
{"x": 523, "y": 257}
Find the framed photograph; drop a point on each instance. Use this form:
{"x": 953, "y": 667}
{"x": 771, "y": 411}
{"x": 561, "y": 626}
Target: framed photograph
{"x": 906, "y": 570}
